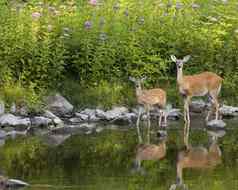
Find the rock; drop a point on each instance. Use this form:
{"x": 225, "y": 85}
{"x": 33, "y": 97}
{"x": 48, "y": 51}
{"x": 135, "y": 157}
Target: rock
{"x": 216, "y": 124}
{"x": 40, "y": 121}
{"x": 100, "y": 114}
{"x": 11, "y": 120}
{"x": 174, "y": 114}
{"x": 13, "y": 108}
{"x": 99, "y": 129}
{"x": 228, "y": 111}
{"x": 56, "y": 120}
{"x": 2, "y": 107}
{"x": 197, "y": 106}
{"x": 125, "y": 119}
{"x": 115, "y": 113}
{"x": 15, "y": 183}
{"x": 88, "y": 112}
{"x": 75, "y": 120}
{"x": 59, "y": 105}
{"x": 216, "y": 133}
{"x": 3, "y": 134}
{"x": 82, "y": 116}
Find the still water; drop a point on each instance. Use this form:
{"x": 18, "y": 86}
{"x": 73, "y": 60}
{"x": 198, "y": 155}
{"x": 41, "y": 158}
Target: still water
{"x": 105, "y": 160}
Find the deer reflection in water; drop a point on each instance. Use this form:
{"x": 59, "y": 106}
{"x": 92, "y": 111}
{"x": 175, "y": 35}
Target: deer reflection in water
{"x": 150, "y": 151}
{"x": 197, "y": 157}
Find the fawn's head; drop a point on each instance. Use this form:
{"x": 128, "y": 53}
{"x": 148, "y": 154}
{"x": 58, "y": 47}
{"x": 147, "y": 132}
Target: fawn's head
{"x": 137, "y": 82}
{"x": 180, "y": 62}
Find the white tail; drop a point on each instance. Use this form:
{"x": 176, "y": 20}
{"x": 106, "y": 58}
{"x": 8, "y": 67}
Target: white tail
{"x": 206, "y": 83}
{"x": 148, "y": 99}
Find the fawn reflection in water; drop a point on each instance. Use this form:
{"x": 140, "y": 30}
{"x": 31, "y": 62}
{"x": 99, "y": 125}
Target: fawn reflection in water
{"x": 198, "y": 157}
{"x": 150, "y": 151}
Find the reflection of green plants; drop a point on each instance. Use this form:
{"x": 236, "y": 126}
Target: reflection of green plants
{"x": 28, "y": 157}
{"x": 96, "y": 45}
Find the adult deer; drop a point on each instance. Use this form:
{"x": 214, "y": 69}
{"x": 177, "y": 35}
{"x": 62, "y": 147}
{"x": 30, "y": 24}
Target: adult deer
{"x": 206, "y": 83}
{"x": 148, "y": 99}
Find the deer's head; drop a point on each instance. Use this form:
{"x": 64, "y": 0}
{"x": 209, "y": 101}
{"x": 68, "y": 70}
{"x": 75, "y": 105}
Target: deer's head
{"x": 137, "y": 82}
{"x": 180, "y": 62}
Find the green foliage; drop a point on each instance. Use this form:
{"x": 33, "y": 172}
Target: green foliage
{"x": 47, "y": 43}
{"x": 22, "y": 96}
{"x": 102, "y": 94}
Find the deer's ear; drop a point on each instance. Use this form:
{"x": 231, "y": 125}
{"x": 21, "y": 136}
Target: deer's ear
{"x": 174, "y": 59}
{"x": 132, "y": 79}
{"x": 186, "y": 58}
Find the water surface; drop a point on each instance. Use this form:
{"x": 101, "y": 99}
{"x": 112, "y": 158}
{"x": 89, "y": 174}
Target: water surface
{"x": 104, "y": 161}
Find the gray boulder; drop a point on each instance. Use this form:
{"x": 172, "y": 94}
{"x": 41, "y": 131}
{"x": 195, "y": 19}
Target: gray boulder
{"x": 40, "y": 121}
{"x": 197, "y": 106}
{"x": 216, "y": 124}
{"x": 228, "y": 111}
{"x": 11, "y": 120}
{"x": 56, "y": 120}
{"x": 75, "y": 120}
{"x": 83, "y": 117}
{"x": 59, "y": 105}
{"x": 115, "y": 113}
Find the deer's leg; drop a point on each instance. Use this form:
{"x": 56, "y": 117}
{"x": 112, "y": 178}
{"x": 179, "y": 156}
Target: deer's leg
{"x": 186, "y": 109}
{"x": 138, "y": 125}
{"x": 160, "y": 118}
{"x": 148, "y": 123}
{"x": 215, "y": 104}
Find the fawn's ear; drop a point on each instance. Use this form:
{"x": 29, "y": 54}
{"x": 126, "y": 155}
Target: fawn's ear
{"x": 174, "y": 59}
{"x": 186, "y": 58}
{"x": 143, "y": 79}
{"x": 132, "y": 79}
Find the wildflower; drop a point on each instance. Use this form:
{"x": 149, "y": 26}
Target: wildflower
{"x": 212, "y": 19}
{"x": 179, "y": 5}
{"x": 51, "y": 9}
{"x": 116, "y": 6}
{"x": 103, "y": 36}
{"x": 195, "y": 6}
{"x": 93, "y": 2}
{"x": 224, "y": 1}
{"x": 87, "y": 24}
{"x": 36, "y": 15}
{"x": 141, "y": 21}
{"x": 49, "y": 28}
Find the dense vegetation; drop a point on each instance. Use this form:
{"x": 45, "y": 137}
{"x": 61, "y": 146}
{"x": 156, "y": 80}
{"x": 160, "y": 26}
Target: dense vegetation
{"x": 88, "y": 49}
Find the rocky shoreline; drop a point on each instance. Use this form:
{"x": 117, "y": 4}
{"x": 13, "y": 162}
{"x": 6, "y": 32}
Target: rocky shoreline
{"x": 60, "y": 119}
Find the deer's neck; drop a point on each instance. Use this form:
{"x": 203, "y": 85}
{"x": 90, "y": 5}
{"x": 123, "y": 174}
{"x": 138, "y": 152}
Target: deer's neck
{"x": 138, "y": 91}
{"x": 179, "y": 75}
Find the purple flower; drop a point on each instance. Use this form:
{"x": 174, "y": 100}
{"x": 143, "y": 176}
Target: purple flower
{"x": 87, "y": 24}
{"x": 36, "y": 15}
{"x": 93, "y": 2}
{"x": 126, "y": 12}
